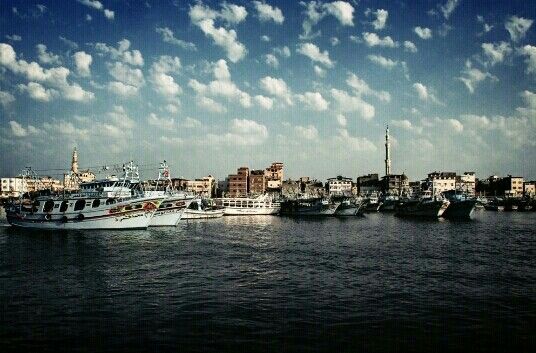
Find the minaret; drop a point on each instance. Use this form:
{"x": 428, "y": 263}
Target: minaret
{"x": 74, "y": 162}
{"x": 387, "y": 153}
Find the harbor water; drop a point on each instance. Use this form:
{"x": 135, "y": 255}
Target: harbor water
{"x": 268, "y": 283}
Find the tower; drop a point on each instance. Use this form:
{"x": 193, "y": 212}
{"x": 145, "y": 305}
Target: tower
{"x": 387, "y": 152}
{"x": 74, "y": 162}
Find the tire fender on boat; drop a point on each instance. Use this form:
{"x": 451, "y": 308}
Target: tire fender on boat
{"x": 48, "y": 217}
{"x": 64, "y": 219}
{"x": 80, "y": 217}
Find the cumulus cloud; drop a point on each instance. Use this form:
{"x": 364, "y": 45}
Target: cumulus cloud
{"x": 264, "y": 102}
{"x": 341, "y": 120}
{"x": 131, "y": 57}
{"x": 271, "y": 60}
{"x": 69, "y": 43}
{"x": 38, "y": 92}
{"x": 6, "y": 98}
{"x": 126, "y": 74}
{"x": 423, "y": 32}
{"x": 382, "y": 61}
{"x": 449, "y": 8}
{"x": 97, "y": 5}
{"x": 360, "y": 87}
{"x": 313, "y": 101}
{"x": 169, "y": 37}
{"x": 282, "y": 51}
{"x": 406, "y": 125}
{"x": 55, "y": 77}
{"x": 349, "y": 103}
{"x": 308, "y": 132}
{"x": 82, "y": 62}
{"x": 530, "y": 52}
{"x": 517, "y": 27}
{"x": 313, "y": 52}
{"x": 204, "y": 17}
{"x": 17, "y": 130}
{"x": 472, "y": 76}
{"x": 381, "y": 19}
{"x": 265, "y": 38}
{"x": 276, "y": 87}
{"x": 268, "y": 13}
{"x": 14, "y": 37}
{"x": 373, "y": 40}
{"x": 409, "y": 46}
{"x": 209, "y": 104}
{"x": 424, "y": 93}
{"x": 46, "y": 57}
{"x": 320, "y": 72}
{"x": 496, "y": 53}
{"x": 167, "y": 124}
{"x": 241, "y": 132}
{"x": 316, "y": 11}
{"x": 353, "y": 143}
{"x": 163, "y": 83}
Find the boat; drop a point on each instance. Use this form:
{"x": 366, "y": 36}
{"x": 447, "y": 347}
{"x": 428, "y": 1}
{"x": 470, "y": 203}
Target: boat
{"x": 309, "y": 207}
{"x": 373, "y": 203}
{"x": 349, "y": 207}
{"x": 172, "y": 208}
{"x": 423, "y": 208}
{"x": 461, "y": 206}
{"x": 388, "y": 203}
{"x": 262, "y": 205}
{"x": 103, "y": 204}
{"x": 494, "y": 205}
{"x": 202, "y": 209}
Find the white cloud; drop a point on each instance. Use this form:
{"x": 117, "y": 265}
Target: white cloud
{"x": 455, "y": 125}
{"x": 334, "y": 41}
{"x": 271, "y": 60}
{"x": 353, "y": 143}
{"x": 373, "y": 40}
{"x": 122, "y": 89}
{"x": 14, "y": 37}
{"x": 97, "y": 5}
{"x": 264, "y": 102}
{"x": 6, "y": 98}
{"x": 406, "y": 125}
{"x": 313, "y": 101}
{"x": 517, "y": 27}
{"x": 496, "y": 53}
{"x": 17, "y": 130}
{"x": 191, "y": 123}
{"x": 37, "y": 91}
{"x": 169, "y": 37}
{"x": 131, "y": 57}
{"x": 316, "y": 11}
{"x": 126, "y": 74}
{"x": 381, "y": 19}
{"x": 268, "y": 13}
{"x": 313, "y": 52}
{"x": 448, "y": 8}
{"x": 276, "y": 87}
{"x": 530, "y": 52}
{"x": 167, "y": 124}
{"x": 341, "y": 120}
{"x": 361, "y": 87}
{"x": 382, "y": 61}
{"x": 308, "y": 132}
{"x": 163, "y": 83}
{"x": 109, "y": 14}
{"x": 47, "y": 57}
{"x": 283, "y": 51}
{"x": 410, "y": 46}
{"x": 423, "y": 33}
{"x": 241, "y": 132}
{"x": 82, "y": 61}
{"x": 204, "y": 17}
{"x": 265, "y": 38}
{"x": 424, "y": 93}
{"x": 210, "y": 105}
{"x": 485, "y": 27}
{"x": 167, "y": 64}
{"x": 472, "y": 76}
{"x": 172, "y": 108}
{"x": 320, "y": 72}
{"x": 348, "y": 103}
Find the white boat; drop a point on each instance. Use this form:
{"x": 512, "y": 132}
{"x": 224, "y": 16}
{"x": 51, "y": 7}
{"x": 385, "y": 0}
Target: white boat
{"x": 171, "y": 210}
{"x": 200, "y": 209}
{"x": 104, "y": 204}
{"x": 262, "y": 205}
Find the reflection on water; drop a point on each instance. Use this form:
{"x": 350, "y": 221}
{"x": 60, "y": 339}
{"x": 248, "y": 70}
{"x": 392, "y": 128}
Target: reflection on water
{"x": 373, "y": 283}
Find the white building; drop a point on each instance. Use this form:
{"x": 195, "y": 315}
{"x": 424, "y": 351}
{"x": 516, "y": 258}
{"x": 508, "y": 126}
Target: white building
{"x": 13, "y": 187}
{"x": 340, "y": 186}
{"x": 441, "y": 182}
{"x": 466, "y": 183}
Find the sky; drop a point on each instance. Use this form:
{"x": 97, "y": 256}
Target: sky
{"x": 211, "y": 86}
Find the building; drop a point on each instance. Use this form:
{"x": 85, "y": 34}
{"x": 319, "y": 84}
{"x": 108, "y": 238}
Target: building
{"x": 314, "y": 188}
{"x": 257, "y": 182}
{"x": 205, "y": 186}
{"x": 340, "y": 186}
{"x": 72, "y": 180}
{"x": 367, "y": 184}
{"x": 239, "y": 183}
{"x": 466, "y": 183}
{"x": 273, "y": 176}
{"x": 395, "y": 184}
{"x": 414, "y": 188}
{"x": 511, "y": 186}
{"x": 441, "y": 181}
{"x": 529, "y": 188}
{"x": 291, "y": 188}
{"x": 13, "y": 187}
{"x": 44, "y": 183}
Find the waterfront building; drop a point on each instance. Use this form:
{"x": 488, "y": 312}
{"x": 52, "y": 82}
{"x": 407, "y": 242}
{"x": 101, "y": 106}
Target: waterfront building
{"x": 239, "y": 183}
{"x": 291, "y": 188}
{"x": 466, "y": 183}
{"x": 414, "y": 188}
{"x": 368, "y": 184}
{"x": 13, "y": 187}
{"x": 395, "y": 184}
{"x": 273, "y": 176}
{"x": 340, "y": 186}
{"x": 529, "y": 188}
{"x": 511, "y": 186}
{"x": 257, "y": 182}
{"x": 314, "y": 188}
{"x": 205, "y": 186}
{"x": 44, "y": 183}
{"x": 441, "y": 181}
{"x": 72, "y": 180}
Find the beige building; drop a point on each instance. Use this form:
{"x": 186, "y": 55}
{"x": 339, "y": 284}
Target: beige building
{"x": 257, "y": 182}
{"x": 340, "y": 186}
{"x": 466, "y": 183}
{"x": 274, "y": 176}
{"x": 239, "y": 183}
{"x": 72, "y": 180}
{"x": 513, "y": 186}
{"x": 44, "y": 183}
{"x": 442, "y": 181}
{"x": 529, "y": 188}
{"x": 12, "y": 187}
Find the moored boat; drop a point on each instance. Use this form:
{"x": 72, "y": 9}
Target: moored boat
{"x": 262, "y": 205}
{"x": 349, "y": 207}
{"x": 424, "y": 208}
{"x": 461, "y": 206}
{"x": 201, "y": 209}
{"x": 309, "y": 207}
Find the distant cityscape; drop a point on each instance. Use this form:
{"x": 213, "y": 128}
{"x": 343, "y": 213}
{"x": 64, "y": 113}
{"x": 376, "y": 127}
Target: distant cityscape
{"x": 270, "y": 180}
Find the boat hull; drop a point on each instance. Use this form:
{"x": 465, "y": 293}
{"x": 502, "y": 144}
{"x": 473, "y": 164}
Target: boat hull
{"x": 239, "y": 211}
{"x": 460, "y": 209}
{"x": 316, "y": 210}
{"x": 169, "y": 213}
{"x": 433, "y": 209}
{"x": 203, "y": 214}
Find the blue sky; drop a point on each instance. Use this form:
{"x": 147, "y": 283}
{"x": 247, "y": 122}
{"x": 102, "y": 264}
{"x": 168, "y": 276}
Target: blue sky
{"x": 211, "y": 86}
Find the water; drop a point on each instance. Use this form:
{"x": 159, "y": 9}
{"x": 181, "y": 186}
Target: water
{"x": 377, "y": 283}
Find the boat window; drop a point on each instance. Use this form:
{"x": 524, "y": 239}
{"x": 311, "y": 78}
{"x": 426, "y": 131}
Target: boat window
{"x": 63, "y": 206}
{"x": 49, "y": 206}
{"x": 110, "y": 201}
{"x": 128, "y": 208}
{"x": 96, "y": 203}
{"x": 79, "y": 205}
{"x": 35, "y": 206}
{"x": 138, "y": 206}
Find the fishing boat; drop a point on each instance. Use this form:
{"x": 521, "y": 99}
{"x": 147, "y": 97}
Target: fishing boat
{"x": 262, "y": 205}
{"x": 423, "y": 208}
{"x": 460, "y": 206}
{"x": 174, "y": 204}
{"x": 309, "y": 207}
{"x": 202, "y": 209}
{"x": 495, "y": 205}
{"x": 104, "y": 204}
{"x": 388, "y": 203}
{"x": 373, "y": 203}
{"x": 349, "y": 207}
